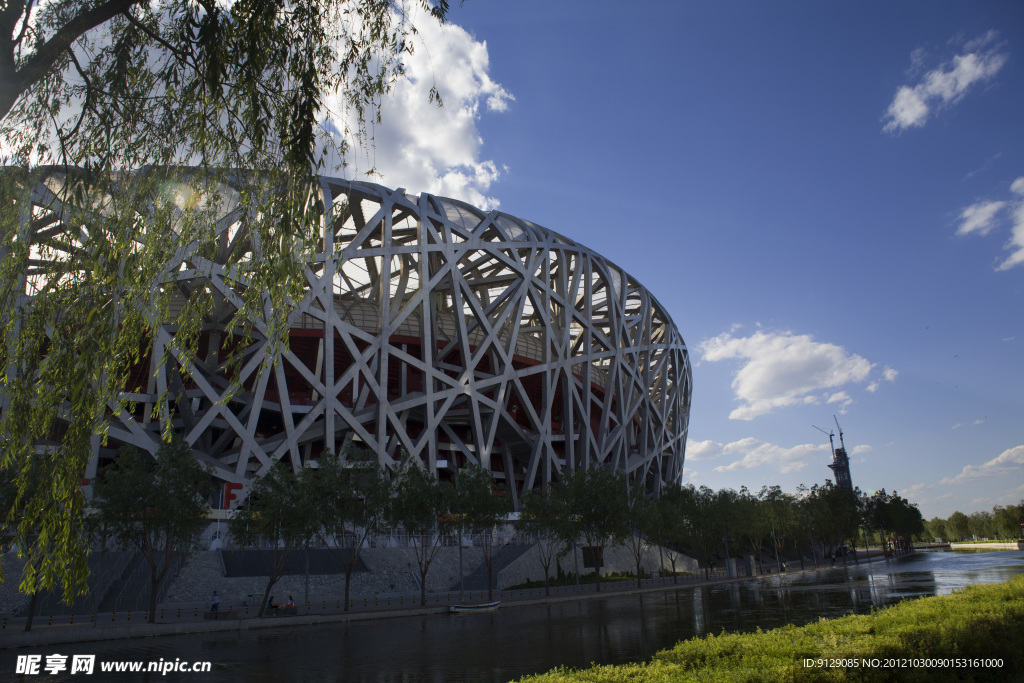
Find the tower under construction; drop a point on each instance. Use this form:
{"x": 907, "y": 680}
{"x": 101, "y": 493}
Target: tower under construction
{"x": 840, "y": 461}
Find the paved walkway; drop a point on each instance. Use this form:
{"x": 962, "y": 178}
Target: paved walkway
{"x": 182, "y": 619}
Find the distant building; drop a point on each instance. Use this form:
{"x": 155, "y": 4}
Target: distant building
{"x": 840, "y": 463}
{"x": 841, "y": 466}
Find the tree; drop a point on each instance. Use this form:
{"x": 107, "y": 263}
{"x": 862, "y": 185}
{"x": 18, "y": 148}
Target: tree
{"x": 597, "y": 511}
{"x": 701, "y": 529}
{"x": 352, "y": 503}
{"x": 158, "y": 506}
{"x": 832, "y": 514}
{"x": 13, "y": 508}
{"x": 543, "y": 514}
{"x": 668, "y": 529}
{"x": 479, "y": 506}
{"x": 90, "y": 90}
{"x": 8, "y": 508}
{"x": 752, "y": 524}
{"x": 1009, "y": 520}
{"x": 906, "y": 520}
{"x": 781, "y": 514}
{"x": 278, "y": 514}
{"x": 958, "y": 526}
{"x": 640, "y": 520}
{"x": 218, "y": 69}
{"x": 895, "y": 517}
{"x": 727, "y": 512}
{"x": 981, "y": 524}
{"x": 422, "y": 506}
{"x": 936, "y": 527}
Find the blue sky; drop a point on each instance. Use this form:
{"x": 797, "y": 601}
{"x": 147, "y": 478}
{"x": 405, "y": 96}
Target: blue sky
{"x": 826, "y": 197}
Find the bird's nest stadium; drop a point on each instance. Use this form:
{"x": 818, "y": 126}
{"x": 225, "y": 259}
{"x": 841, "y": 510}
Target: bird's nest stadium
{"x": 429, "y": 330}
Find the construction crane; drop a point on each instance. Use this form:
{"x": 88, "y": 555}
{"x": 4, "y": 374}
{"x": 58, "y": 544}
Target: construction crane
{"x": 830, "y": 435}
{"x": 840, "y": 462}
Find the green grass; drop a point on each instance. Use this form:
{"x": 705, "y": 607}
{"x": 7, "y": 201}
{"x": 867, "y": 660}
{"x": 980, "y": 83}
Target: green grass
{"x": 977, "y": 622}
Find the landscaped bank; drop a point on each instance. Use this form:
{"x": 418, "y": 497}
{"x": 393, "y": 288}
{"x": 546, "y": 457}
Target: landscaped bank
{"x": 976, "y": 634}
{"x": 988, "y": 545}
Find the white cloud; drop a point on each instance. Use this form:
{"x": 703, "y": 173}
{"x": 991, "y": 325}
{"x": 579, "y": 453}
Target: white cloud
{"x": 968, "y": 424}
{"x": 1008, "y": 461}
{"x": 860, "y": 450}
{"x": 1009, "y": 497}
{"x": 702, "y": 450}
{"x": 908, "y": 108}
{"x": 979, "y": 218}
{"x": 418, "y": 145}
{"x": 984, "y": 216}
{"x": 423, "y": 147}
{"x": 784, "y": 369}
{"x": 912, "y": 492}
{"x": 756, "y": 453}
{"x": 1016, "y": 243}
{"x": 984, "y": 167}
{"x": 843, "y": 399}
{"x": 944, "y": 85}
{"x": 890, "y": 374}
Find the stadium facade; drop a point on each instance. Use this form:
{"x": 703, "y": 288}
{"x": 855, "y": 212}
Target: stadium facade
{"x": 430, "y": 330}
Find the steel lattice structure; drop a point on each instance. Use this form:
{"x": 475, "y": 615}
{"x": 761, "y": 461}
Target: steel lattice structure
{"x": 431, "y": 330}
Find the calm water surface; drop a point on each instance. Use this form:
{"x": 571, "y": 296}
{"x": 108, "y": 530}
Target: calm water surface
{"x": 515, "y": 641}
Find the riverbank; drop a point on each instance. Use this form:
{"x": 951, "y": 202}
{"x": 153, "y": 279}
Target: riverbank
{"x": 188, "y": 619}
{"x": 972, "y": 634}
{"x": 988, "y": 545}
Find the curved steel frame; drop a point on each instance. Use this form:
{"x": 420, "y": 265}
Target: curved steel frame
{"x": 433, "y": 329}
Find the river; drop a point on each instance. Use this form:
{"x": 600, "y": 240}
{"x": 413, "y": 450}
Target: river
{"x": 515, "y": 641}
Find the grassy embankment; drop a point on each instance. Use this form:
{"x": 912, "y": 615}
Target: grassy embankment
{"x": 978, "y": 622}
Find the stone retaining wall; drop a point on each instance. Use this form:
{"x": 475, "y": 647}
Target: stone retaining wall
{"x": 617, "y": 560}
{"x": 11, "y": 599}
{"x": 391, "y": 571}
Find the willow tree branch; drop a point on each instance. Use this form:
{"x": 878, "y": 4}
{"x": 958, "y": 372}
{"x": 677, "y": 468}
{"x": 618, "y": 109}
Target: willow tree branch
{"x": 15, "y": 80}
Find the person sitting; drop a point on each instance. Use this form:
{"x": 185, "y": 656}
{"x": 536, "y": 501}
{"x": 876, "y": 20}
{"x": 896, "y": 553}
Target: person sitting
{"x": 291, "y": 603}
{"x": 270, "y": 603}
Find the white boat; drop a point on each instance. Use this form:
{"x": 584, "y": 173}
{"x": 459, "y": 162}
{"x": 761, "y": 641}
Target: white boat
{"x": 483, "y": 607}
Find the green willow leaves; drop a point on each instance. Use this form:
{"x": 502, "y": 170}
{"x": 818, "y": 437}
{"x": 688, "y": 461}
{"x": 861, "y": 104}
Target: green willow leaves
{"x": 124, "y": 127}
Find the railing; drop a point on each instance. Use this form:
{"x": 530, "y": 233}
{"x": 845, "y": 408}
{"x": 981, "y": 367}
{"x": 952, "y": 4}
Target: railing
{"x": 322, "y": 604}
{"x": 502, "y": 556}
{"x": 135, "y": 593}
{"x": 176, "y": 564}
{"x": 399, "y": 538}
{"x": 131, "y": 582}
{"x": 51, "y": 602}
{"x": 106, "y": 578}
{"x": 504, "y": 534}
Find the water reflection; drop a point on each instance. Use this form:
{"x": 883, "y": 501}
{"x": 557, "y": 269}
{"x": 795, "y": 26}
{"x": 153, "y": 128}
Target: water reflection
{"x": 512, "y": 642}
